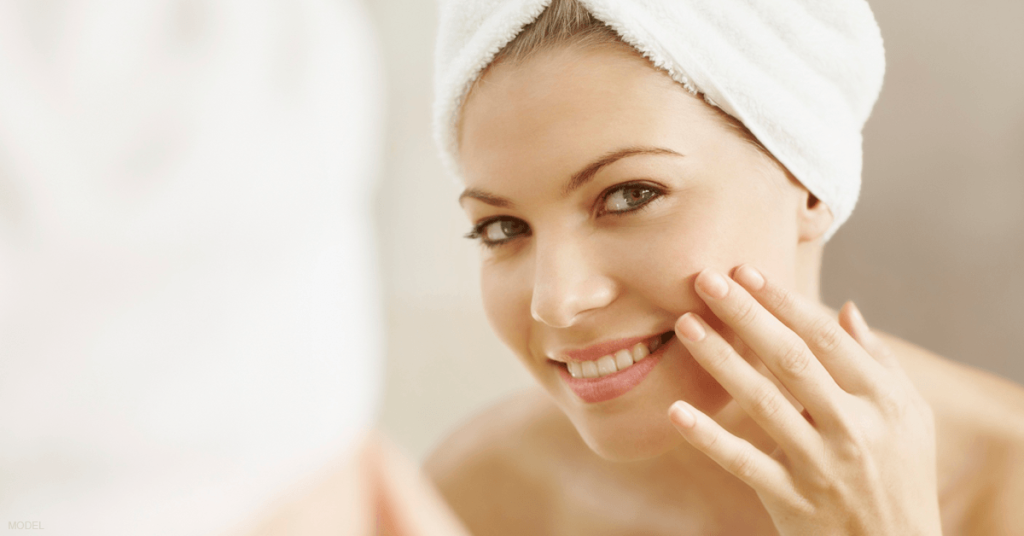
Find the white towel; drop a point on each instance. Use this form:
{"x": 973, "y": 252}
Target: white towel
{"x": 801, "y": 75}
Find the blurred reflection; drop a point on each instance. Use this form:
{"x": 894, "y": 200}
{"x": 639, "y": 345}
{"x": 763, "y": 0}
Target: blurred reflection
{"x": 189, "y": 317}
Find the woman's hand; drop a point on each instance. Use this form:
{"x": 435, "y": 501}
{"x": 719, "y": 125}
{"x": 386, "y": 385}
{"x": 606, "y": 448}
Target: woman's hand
{"x": 859, "y": 459}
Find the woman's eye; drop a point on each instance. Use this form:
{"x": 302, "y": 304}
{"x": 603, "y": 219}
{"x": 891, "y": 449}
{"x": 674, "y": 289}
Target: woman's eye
{"x": 627, "y": 198}
{"x": 501, "y": 230}
{"x": 494, "y": 232}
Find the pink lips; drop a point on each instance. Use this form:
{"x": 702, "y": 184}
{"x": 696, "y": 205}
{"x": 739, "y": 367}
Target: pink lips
{"x": 594, "y": 390}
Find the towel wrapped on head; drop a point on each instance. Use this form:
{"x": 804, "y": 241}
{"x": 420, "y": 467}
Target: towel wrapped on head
{"x": 801, "y": 75}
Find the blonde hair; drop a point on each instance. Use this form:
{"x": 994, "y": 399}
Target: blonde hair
{"x": 563, "y": 22}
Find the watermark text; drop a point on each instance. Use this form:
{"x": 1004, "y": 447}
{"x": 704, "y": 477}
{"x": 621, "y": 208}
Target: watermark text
{"x": 25, "y": 525}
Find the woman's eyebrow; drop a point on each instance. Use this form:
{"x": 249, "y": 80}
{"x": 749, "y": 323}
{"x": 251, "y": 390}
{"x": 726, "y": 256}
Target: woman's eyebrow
{"x": 578, "y": 179}
{"x": 489, "y": 198}
{"x": 584, "y": 175}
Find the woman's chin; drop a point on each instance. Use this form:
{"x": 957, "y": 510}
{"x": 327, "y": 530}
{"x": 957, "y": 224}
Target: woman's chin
{"x": 633, "y": 433}
{"x": 636, "y": 445}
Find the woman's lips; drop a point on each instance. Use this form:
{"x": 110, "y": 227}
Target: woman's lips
{"x": 594, "y": 390}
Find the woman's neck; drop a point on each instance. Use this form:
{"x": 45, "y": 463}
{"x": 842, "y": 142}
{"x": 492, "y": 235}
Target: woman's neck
{"x": 808, "y": 269}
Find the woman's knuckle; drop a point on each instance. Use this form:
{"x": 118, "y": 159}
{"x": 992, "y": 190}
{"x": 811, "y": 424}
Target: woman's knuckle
{"x": 854, "y": 450}
{"x": 743, "y": 465}
{"x": 746, "y": 315}
{"x": 819, "y": 480}
{"x": 801, "y": 505}
{"x": 892, "y": 403}
{"x": 766, "y": 403}
{"x": 793, "y": 358}
{"x": 718, "y": 357}
{"x": 781, "y": 301}
{"x": 707, "y": 441}
{"x": 826, "y": 336}
{"x": 856, "y": 432}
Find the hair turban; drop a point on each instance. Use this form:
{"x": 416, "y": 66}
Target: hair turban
{"x": 801, "y": 75}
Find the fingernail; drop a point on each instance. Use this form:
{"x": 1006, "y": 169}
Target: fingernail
{"x": 690, "y": 328}
{"x": 713, "y": 284}
{"x": 749, "y": 277}
{"x": 681, "y": 415}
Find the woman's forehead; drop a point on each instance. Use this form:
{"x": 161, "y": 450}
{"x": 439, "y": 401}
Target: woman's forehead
{"x": 564, "y": 108}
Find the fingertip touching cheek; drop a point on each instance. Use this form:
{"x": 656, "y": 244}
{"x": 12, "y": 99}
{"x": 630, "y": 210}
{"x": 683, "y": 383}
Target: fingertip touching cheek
{"x": 599, "y": 189}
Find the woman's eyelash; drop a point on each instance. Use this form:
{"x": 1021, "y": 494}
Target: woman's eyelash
{"x": 656, "y": 193}
{"x": 478, "y": 230}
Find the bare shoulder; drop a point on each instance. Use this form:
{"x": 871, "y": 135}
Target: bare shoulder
{"x": 498, "y": 470}
{"x": 931, "y": 371}
{"x": 979, "y": 420}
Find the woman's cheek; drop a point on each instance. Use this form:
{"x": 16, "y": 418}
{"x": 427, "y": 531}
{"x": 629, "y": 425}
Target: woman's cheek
{"x": 673, "y": 254}
{"x": 506, "y": 299}
{"x": 717, "y": 228}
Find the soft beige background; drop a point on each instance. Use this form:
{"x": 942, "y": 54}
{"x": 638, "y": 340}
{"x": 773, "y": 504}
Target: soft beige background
{"x": 934, "y": 251}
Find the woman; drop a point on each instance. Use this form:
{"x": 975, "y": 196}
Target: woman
{"x": 653, "y": 196}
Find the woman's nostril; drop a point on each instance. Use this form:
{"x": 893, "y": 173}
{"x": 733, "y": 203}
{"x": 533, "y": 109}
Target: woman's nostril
{"x": 560, "y": 301}
{"x": 554, "y": 315}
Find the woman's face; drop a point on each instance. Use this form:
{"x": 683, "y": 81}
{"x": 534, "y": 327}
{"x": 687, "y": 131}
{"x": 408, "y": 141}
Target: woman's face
{"x": 603, "y": 187}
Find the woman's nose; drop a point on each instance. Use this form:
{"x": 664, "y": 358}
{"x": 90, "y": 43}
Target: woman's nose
{"x": 567, "y": 282}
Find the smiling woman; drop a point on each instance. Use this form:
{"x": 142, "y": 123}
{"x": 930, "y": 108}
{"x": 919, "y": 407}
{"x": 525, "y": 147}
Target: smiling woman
{"x": 614, "y": 187}
{"x": 562, "y": 270}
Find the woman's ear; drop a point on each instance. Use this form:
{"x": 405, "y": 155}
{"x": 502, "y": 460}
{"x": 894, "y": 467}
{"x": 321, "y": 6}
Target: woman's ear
{"x": 813, "y": 217}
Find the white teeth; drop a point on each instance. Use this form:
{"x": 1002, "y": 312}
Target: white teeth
{"x": 623, "y": 359}
{"x": 609, "y": 364}
{"x": 606, "y": 365}
{"x": 639, "y": 351}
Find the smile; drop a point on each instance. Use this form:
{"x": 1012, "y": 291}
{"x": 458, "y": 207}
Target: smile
{"x": 612, "y": 375}
{"x": 620, "y": 360}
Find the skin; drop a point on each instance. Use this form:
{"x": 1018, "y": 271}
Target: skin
{"x": 860, "y": 436}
